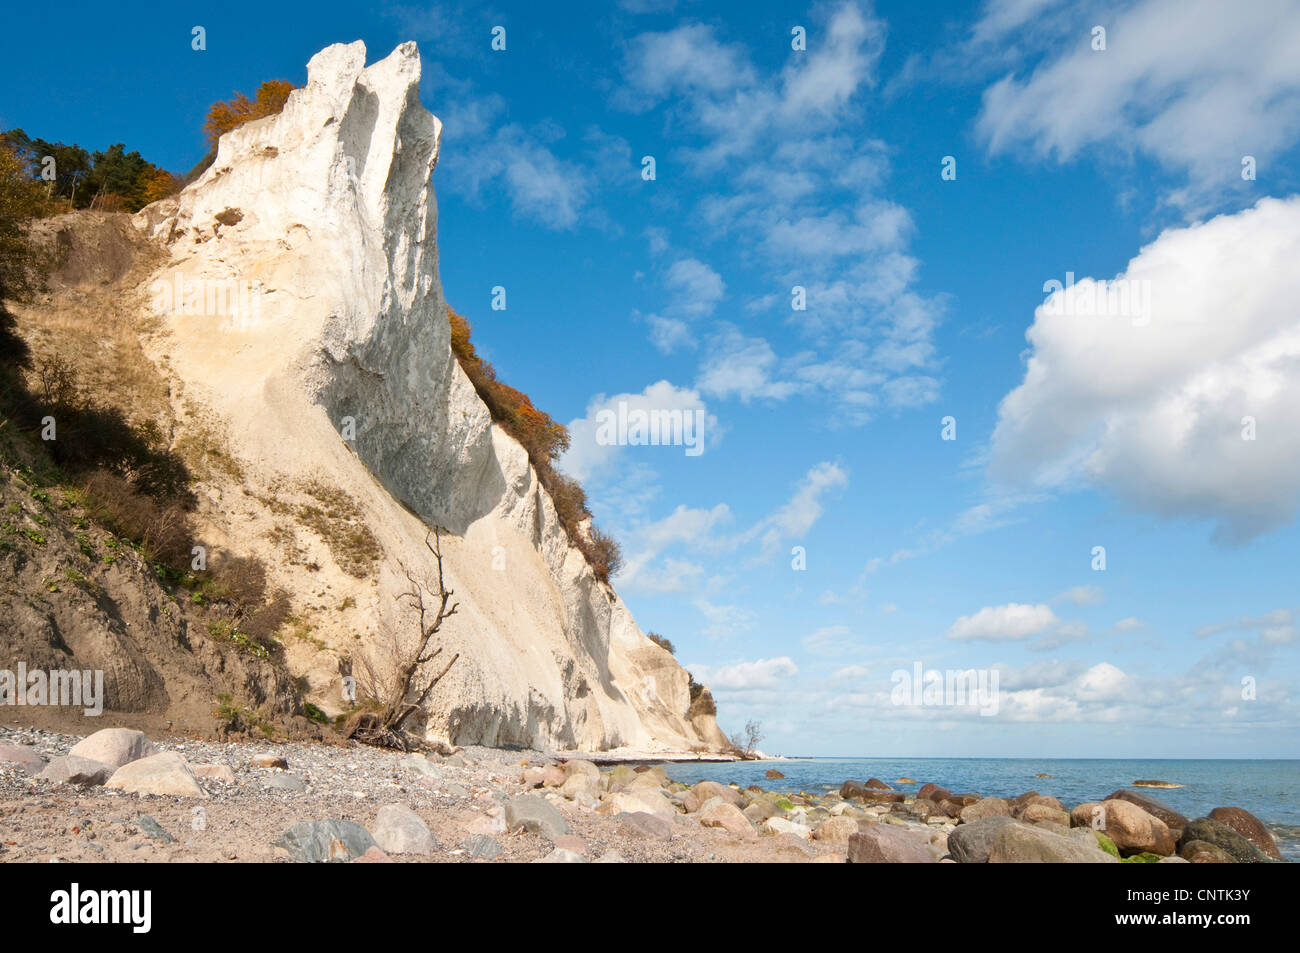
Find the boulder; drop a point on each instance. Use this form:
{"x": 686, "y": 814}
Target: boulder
{"x": 1024, "y": 802}
{"x": 634, "y": 801}
{"x": 78, "y": 771}
{"x": 773, "y": 775}
{"x": 1018, "y": 843}
{"x": 696, "y": 797}
{"x": 719, "y": 813}
{"x": 971, "y": 841}
{"x": 553, "y": 776}
{"x": 1235, "y": 845}
{"x": 836, "y": 830}
{"x": 1132, "y": 829}
{"x": 645, "y": 824}
{"x": 857, "y": 791}
{"x": 878, "y": 785}
{"x": 164, "y": 774}
{"x": 115, "y": 746}
{"x": 986, "y": 807}
{"x": 779, "y": 825}
{"x": 27, "y": 759}
{"x": 883, "y": 844}
{"x": 576, "y": 766}
{"x": 399, "y": 830}
{"x": 214, "y": 772}
{"x": 933, "y": 792}
{"x": 1203, "y": 852}
{"x": 1173, "y": 820}
{"x": 536, "y": 816}
{"x": 1248, "y": 826}
{"x": 1039, "y": 813}
{"x": 315, "y": 842}
{"x": 269, "y": 761}
{"x": 578, "y": 784}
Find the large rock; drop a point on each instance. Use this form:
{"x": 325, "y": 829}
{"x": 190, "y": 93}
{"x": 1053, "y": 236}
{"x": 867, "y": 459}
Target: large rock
{"x": 1018, "y": 843}
{"x": 1203, "y": 852}
{"x": 1235, "y": 845}
{"x": 399, "y": 830}
{"x": 971, "y": 841}
{"x": 1248, "y": 826}
{"x": 634, "y": 801}
{"x": 115, "y": 746}
{"x": 986, "y": 807}
{"x": 836, "y": 830}
{"x": 645, "y": 824}
{"x": 695, "y": 798}
{"x": 857, "y": 791}
{"x": 1173, "y": 820}
{"x": 933, "y": 792}
{"x": 316, "y": 842}
{"x": 718, "y": 813}
{"x": 536, "y": 816}
{"x": 1132, "y": 829}
{"x": 162, "y": 774}
{"x": 78, "y": 771}
{"x": 27, "y": 759}
{"x": 884, "y": 844}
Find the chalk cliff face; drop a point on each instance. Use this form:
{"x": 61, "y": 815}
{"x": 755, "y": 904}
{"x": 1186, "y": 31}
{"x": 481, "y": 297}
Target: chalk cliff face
{"x": 330, "y": 374}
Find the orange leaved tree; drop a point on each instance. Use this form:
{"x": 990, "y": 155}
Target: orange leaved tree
{"x": 239, "y": 109}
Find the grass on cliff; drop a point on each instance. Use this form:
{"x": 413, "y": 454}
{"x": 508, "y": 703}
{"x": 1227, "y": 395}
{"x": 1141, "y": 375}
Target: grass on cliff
{"x": 544, "y": 439}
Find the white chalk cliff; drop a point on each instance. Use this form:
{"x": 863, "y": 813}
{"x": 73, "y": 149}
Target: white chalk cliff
{"x": 327, "y": 212}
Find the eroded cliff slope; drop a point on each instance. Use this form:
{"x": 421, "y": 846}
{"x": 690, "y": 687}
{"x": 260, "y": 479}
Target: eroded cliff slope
{"x": 303, "y": 321}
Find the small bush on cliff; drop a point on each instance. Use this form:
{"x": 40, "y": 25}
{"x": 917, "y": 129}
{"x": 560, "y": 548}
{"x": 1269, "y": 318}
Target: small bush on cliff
{"x": 232, "y": 113}
{"x": 544, "y": 439}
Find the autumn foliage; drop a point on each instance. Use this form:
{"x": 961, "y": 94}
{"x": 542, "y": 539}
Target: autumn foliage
{"x": 239, "y": 109}
{"x": 545, "y": 440}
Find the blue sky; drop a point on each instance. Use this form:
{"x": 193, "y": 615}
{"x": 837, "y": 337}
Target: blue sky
{"x": 821, "y": 168}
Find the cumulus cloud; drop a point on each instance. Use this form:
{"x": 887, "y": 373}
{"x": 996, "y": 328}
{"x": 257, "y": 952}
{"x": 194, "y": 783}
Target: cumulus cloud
{"x": 1008, "y": 623}
{"x": 1159, "y": 408}
{"x": 746, "y": 676}
{"x": 1194, "y": 84}
{"x": 587, "y": 456}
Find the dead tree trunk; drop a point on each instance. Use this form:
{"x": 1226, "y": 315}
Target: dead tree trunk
{"x": 401, "y": 692}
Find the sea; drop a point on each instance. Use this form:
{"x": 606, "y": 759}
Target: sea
{"x": 1268, "y": 789}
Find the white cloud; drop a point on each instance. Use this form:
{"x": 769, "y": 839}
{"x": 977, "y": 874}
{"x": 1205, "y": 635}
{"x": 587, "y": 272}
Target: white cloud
{"x": 804, "y": 204}
{"x": 1007, "y": 623}
{"x": 743, "y": 367}
{"x": 1154, "y": 409}
{"x": 746, "y": 676}
{"x": 829, "y": 641}
{"x": 696, "y": 287}
{"x": 587, "y": 457}
{"x": 1194, "y": 84}
{"x": 1082, "y": 595}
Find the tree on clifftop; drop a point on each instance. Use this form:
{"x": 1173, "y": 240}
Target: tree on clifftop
{"x": 239, "y": 109}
